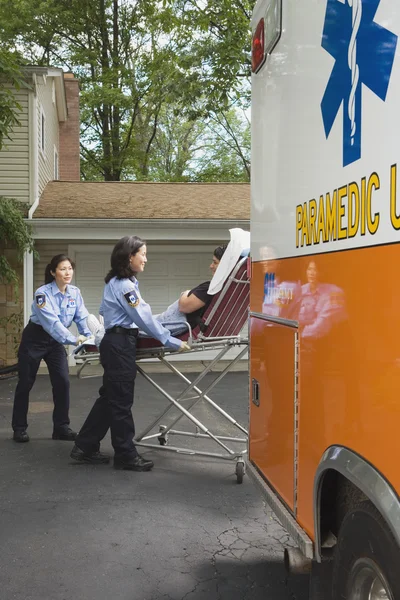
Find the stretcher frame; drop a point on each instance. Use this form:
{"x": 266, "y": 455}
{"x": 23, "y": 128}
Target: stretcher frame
{"x": 221, "y": 330}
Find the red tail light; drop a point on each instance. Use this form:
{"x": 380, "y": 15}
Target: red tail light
{"x": 258, "y": 47}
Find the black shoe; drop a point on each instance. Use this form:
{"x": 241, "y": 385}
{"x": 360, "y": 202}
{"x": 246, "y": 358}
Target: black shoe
{"x": 20, "y": 436}
{"x": 64, "y": 434}
{"x": 138, "y": 463}
{"x": 93, "y": 458}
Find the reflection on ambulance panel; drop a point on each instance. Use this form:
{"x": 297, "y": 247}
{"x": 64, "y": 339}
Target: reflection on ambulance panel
{"x": 280, "y": 296}
{"x": 326, "y": 348}
{"x": 322, "y": 305}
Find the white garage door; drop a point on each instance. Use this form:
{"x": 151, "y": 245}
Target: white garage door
{"x": 166, "y": 275}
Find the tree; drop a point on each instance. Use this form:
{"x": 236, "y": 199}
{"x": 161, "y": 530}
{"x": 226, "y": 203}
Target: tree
{"x": 226, "y": 151}
{"x": 11, "y": 79}
{"x": 15, "y": 236}
{"x": 124, "y": 60}
{"x": 15, "y": 233}
{"x": 215, "y": 45}
{"x": 216, "y": 149}
{"x": 137, "y": 61}
{"x": 176, "y": 142}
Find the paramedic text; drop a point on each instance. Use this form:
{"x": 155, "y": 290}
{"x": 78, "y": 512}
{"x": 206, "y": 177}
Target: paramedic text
{"x": 346, "y": 212}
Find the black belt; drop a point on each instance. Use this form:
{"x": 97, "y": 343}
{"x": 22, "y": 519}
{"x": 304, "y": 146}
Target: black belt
{"x": 32, "y": 324}
{"x": 123, "y": 330}
{"x": 39, "y": 330}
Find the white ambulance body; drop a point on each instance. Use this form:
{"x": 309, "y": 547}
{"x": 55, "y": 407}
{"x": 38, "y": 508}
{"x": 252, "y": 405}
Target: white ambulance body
{"x": 325, "y": 287}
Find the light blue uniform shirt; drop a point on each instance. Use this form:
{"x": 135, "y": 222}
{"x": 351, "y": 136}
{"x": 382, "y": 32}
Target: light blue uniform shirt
{"x": 320, "y": 310}
{"x": 55, "y": 311}
{"x": 123, "y": 305}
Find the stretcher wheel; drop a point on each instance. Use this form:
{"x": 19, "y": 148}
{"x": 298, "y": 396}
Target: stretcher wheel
{"x": 240, "y": 471}
{"x": 162, "y": 439}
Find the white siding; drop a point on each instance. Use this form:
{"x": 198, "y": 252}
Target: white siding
{"x": 46, "y": 159}
{"x": 14, "y": 156}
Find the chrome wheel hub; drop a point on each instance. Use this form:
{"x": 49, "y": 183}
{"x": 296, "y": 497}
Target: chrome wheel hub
{"x": 367, "y": 582}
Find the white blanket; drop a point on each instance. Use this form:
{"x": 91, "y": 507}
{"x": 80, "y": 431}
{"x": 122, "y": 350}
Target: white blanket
{"x": 240, "y": 242}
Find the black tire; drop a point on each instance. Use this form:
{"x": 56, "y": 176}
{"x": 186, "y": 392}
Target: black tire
{"x": 239, "y": 472}
{"x": 366, "y": 551}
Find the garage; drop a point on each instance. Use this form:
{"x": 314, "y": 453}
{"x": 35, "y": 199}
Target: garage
{"x": 181, "y": 222}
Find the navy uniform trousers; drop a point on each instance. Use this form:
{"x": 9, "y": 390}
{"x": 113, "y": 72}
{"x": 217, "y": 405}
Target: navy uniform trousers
{"x": 36, "y": 345}
{"x": 113, "y": 408}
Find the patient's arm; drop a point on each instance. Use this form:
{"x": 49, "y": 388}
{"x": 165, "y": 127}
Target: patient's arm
{"x": 189, "y": 304}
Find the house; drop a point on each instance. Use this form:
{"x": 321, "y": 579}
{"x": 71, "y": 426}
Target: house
{"x": 45, "y": 144}
{"x": 42, "y": 148}
{"x": 181, "y": 222}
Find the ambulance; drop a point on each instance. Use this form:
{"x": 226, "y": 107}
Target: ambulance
{"x": 324, "y": 437}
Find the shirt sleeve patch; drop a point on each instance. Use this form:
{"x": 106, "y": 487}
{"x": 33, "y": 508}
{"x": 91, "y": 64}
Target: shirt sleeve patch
{"x": 132, "y": 298}
{"x": 40, "y": 300}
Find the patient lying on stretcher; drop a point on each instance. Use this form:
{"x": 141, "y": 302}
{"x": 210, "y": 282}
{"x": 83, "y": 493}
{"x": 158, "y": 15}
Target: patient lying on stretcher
{"x": 189, "y": 308}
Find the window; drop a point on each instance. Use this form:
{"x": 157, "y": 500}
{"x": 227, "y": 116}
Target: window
{"x": 42, "y": 131}
{"x": 55, "y": 163}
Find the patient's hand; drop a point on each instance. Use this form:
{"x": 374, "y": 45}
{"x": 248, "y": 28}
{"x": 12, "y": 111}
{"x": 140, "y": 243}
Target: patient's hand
{"x": 184, "y": 347}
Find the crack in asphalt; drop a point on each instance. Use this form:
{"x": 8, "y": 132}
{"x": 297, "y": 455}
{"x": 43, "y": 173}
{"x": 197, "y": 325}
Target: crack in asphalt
{"x": 235, "y": 543}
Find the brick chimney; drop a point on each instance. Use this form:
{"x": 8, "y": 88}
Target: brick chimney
{"x": 69, "y": 159}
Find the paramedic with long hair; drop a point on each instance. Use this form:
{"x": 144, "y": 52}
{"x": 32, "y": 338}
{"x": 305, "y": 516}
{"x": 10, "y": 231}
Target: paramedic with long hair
{"x": 124, "y": 312}
{"x": 57, "y": 303}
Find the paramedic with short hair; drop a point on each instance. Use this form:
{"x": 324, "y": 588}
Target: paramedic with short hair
{"x": 56, "y": 305}
{"x": 124, "y": 311}
{"x": 194, "y": 303}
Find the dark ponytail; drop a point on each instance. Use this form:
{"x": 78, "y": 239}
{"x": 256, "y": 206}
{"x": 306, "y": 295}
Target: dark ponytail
{"x": 123, "y": 250}
{"x": 52, "y": 266}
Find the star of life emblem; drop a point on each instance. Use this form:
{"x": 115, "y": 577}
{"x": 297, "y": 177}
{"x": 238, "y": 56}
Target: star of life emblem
{"x": 364, "y": 53}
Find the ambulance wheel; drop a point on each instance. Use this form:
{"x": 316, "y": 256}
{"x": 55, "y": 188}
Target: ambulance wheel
{"x": 240, "y": 470}
{"x": 367, "y": 557}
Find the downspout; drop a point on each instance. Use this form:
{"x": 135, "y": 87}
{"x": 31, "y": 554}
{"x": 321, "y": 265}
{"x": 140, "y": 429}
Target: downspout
{"x": 33, "y": 150}
{"x": 33, "y": 194}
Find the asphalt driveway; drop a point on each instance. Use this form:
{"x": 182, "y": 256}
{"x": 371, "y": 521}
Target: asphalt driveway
{"x": 184, "y": 531}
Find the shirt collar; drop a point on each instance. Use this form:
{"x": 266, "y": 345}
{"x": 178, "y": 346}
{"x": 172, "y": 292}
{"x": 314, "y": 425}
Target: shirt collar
{"x": 55, "y": 290}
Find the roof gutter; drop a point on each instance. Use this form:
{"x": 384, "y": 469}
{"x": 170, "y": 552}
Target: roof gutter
{"x": 96, "y": 230}
{"x": 52, "y": 222}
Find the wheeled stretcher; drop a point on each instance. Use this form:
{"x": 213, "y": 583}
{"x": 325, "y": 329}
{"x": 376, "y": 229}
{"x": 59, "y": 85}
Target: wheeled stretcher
{"x": 219, "y": 331}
